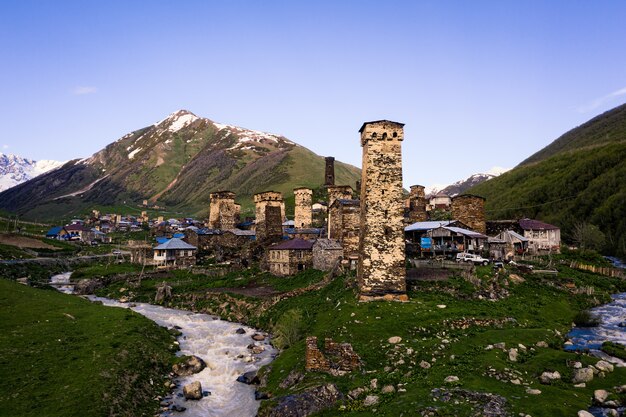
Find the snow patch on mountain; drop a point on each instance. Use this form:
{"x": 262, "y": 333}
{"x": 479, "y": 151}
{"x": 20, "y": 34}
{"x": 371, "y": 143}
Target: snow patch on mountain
{"x": 15, "y": 170}
{"x": 245, "y": 136}
{"x": 461, "y": 186}
{"x": 133, "y": 153}
{"x": 176, "y": 121}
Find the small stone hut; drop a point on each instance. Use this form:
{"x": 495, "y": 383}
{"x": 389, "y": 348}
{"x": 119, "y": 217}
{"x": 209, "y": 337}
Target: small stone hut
{"x": 290, "y": 257}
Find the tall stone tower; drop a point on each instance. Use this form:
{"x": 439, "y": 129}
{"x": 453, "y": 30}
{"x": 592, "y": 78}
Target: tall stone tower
{"x": 470, "y": 210}
{"x": 417, "y": 204}
{"x": 338, "y": 192}
{"x": 270, "y": 212}
{"x": 329, "y": 178}
{"x": 223, "y": 212}
{"x": 303, "y": 210}
{"x": 382, "y": 270}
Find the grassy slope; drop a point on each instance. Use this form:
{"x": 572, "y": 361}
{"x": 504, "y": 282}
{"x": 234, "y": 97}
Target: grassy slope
{"x": 99, "y": 362}
{"x": 540, "y": 306}
{"x": 586, "y": 185}
{"x": 605, "y": 128}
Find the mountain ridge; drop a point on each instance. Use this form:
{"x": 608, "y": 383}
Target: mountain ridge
{"x": 15, "y": 169}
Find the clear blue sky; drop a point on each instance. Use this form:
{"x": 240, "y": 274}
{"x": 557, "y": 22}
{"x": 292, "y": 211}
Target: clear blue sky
{"x": 478, "y": 84}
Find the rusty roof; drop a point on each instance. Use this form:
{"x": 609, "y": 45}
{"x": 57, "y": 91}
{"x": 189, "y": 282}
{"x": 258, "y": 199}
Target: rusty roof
{"x": 528, "y": 224}
{"x": 294, "y": 244}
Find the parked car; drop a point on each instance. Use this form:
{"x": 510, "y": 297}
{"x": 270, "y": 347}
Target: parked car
{"x": 470, "y": 257}
{"x": 116, "y": 252}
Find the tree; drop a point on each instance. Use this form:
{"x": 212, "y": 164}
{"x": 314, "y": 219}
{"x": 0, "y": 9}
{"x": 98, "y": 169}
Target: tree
{"x": 588, "y": 236}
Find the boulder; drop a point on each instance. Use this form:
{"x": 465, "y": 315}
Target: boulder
{"x": 309, "y": 402}
{"x": 513, "y": 355}
{"x": 549, "y": 377}
{"x": 424, "y": 364}
{"x": 582, "y": 375}
{"x": 188, "y": 366}
{"x": 604, "y": 366}
{"x": 258, "y": 337}
{"x": 532, "y": 391}
{"x": 249, "y": 378}
{"x": 541, "y": 344}
{"x": 388, "y": 389}
{"x": 395, "y": 339}
{"x": 451, "y": 378}
{"x": 600, "y": 396}
{"x": 240, "y": 331}
{"x": 501, "y": 345}
{"x": 584, "y": 413}
{"x": 370, "y": 400}
{"x": 193, "y": 391}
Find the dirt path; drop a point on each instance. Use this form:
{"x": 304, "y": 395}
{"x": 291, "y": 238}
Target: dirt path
{"x": 24, "y": 242}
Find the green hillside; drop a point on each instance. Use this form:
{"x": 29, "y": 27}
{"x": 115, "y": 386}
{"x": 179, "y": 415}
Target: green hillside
{"x": 608, "y": 127}
{"x": 569, "y": 183}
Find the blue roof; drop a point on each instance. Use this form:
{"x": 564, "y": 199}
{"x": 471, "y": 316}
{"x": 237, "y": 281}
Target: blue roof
{"x": 178, "y": 235}
{"x": 175, "y": 243}
{"x": 162, "y": 239}
{"x": 54, "y": 231}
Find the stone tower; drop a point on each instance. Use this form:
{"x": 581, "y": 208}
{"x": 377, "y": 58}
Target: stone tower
{"x": 270, "y": 212}
{"x": 417, "y": 204}
{"x": 329, "y": 178}
{"x": 303, "y": 210}
{"x": 223, "y": 211}
{"x": 382, "y": 270}
{"x": 470, "y": 210}
{"x": 338, "y": 192}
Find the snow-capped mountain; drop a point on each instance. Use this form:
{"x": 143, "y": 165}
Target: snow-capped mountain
{"x": 15, "y": 170}
{"x": 461, "y": 186}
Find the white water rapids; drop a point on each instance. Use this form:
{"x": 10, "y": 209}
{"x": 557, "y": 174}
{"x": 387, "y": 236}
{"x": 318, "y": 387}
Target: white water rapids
{"x": 217, "y": 343}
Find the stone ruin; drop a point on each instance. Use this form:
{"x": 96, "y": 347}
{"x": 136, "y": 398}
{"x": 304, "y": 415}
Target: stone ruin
{"x": 329, "y": 178}
{"x": 417, "y": 204}
{"x": 270, "y": 212}
{"x": 335, "y": 192}
{"x": 470, "y": 210}
{"x": 336, "y": 356}
{"x": 381, "y": 270}
{"x": 224, "y": 213}
{"x": 303, "y": 207}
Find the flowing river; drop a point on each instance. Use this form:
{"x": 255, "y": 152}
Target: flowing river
{"x": 217, "y": 342}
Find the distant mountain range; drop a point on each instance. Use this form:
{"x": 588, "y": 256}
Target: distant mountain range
{"x": 177, "y": 163}
{"x": 15, "y": 170}
{"x": 580, "y": 177}
{"x": 462, "y": 186}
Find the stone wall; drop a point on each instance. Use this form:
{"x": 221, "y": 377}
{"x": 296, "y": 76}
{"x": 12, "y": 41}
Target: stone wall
{"x": 303, "y": 211}
{"x": 381, "y": 268}
{"x": 417, "y": 204}
{"x": 329, "y": 177}
{"x": 344, "y": 222}
{"x": 326, "y": 253}
{"x": 223, "y": 212}
{"x": 336, "y": 356}
{"x": 339, "y": 192}
{"x": 470, "y": 210}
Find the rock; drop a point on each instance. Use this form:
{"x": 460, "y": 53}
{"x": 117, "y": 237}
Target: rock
{"x": 516, "y": 279}
{"x": 612, "y": 413}
{"x": 513, "y": 355}
{"x": 500, "y": 345}
{"x": 549, "y": 377}
{"x": 370, "y": 400}
{"x": 188, "y": 366}
{"x": 622, "y": 324}
{"x": 441, "y": 306}
{"x": 532, "y": 391}
{"x": 516, "y": 381}
{"x": 292, "y": 379}
{"x": 258, "y": 349}
{"x": 577, "y": 365}
{"x": 582, "y": 375}
{"x": 568, "y": 343}
{"x": 388, "y": 389}
{"x": 488, "y": 347}
{"x": 595, "y": 370}
{"x": 451, "y": 378}
{"x": 249, "y": 378}
{"x": 522, "y": 347}
{"x": 541, "y": 344}
{"x": 193, "y": 391}
{"x": 584, "y": 413}
{"x": 424, "y": 364}
{"x": 258, "y": 337}
{"x": 604, "y": 366}
{"x": 374, "y": 384}
{"x": 394, "y": 339}
{"x": 581, "y": 385}
{"x": 309, "y": 402}
{"x": 178, "y": 408}
{"x": 258, "y": 395}
{"x": 240, "y": 330}
{"x": 600, "y": 396}
{"x": 357, "y": 392}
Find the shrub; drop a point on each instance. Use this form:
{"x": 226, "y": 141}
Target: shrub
{"x": 584, "y": 318}
{"x": 288, "y": 329}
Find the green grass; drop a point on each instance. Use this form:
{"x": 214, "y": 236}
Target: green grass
{"x": 13, "y": 252}
{"x": 61, "y": 355}
{"x": 614, "y": 349}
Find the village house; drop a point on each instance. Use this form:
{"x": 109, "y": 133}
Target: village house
{"x": 447, "y": 237}
{"x": 540, "y": 238}
{"x": 515, "y": 244}
{"x": 290, "y": 257}
{"x": 79, "y": 232}
{"x": 326, "y": 254}
{"x": 174, "y": 252}
{"x": 440, "y": 201}
{"x": 58, "y": 233}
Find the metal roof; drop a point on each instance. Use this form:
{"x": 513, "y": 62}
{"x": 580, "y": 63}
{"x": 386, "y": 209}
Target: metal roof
{"x": 239, "y": 232}
{"x": 290, "y": 244}
{"x": 309, "y": 231}
{"x": 516, "y": 235}
{"x": 528, "y": 224}
{"x": 421, "y": 226}
{"x": 174, "y": 244}
{"x": 469, "y": 233}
